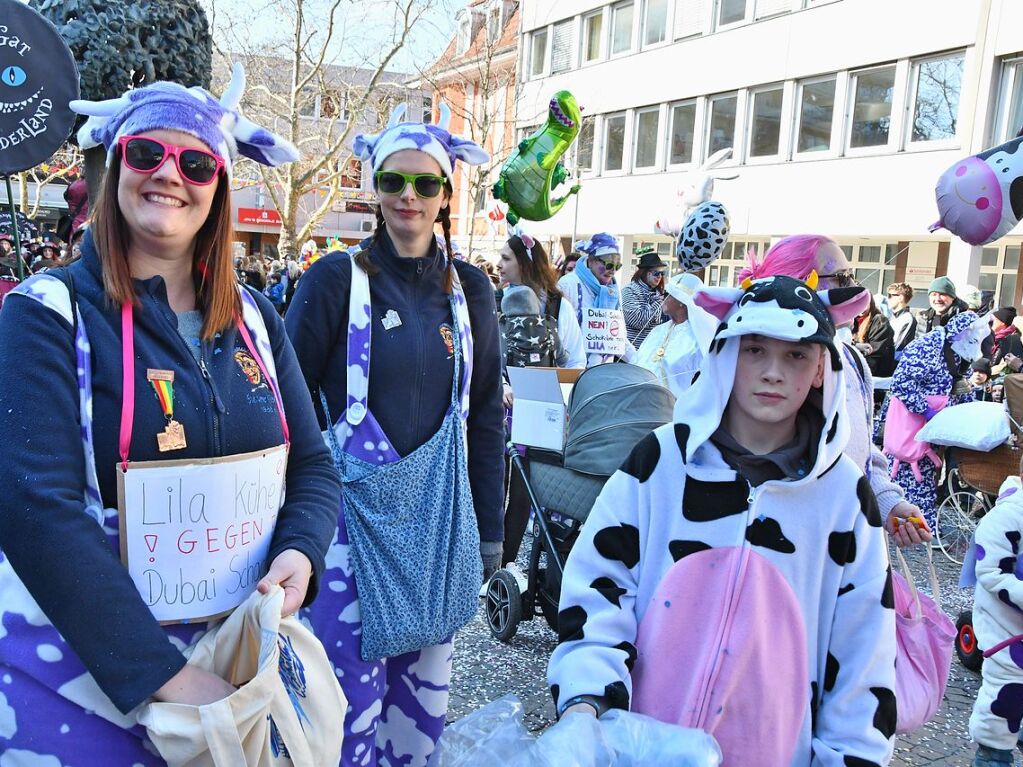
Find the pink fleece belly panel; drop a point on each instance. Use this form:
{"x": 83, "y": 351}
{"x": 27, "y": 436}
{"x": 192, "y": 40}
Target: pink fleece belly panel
{"x": 722, "y": 647}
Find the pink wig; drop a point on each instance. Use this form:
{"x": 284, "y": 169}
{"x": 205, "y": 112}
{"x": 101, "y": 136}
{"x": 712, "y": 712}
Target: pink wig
{"x": 794, "y": 256}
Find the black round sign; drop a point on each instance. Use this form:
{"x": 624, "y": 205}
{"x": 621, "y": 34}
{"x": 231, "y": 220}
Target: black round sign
{"x": 38, "y": 78}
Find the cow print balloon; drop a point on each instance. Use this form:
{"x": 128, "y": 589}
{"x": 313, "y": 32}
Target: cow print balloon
{"x": 703, "y": 236}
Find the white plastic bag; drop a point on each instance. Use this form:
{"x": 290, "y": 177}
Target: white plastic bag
{"x": 973, "y": 425}
{"x": 495, "y": 734}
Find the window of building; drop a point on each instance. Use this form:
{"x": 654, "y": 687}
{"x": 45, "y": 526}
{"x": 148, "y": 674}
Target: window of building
{"x": 561, "y": 47}
{"x": 538, "y": 53}
{"x": 494, "y": 24}
{"x": 1000, "y": 274}
{"x": 593, "y": 36}
{"x": 308, "y": 103}
{"x": 621, "y": 28}
{"x": 683, "y": 133}
{"x": 584, "y": 146}
{"x": 351, "y": 177}
{"x": 936, "y": 85}
{"x": 655, "y": 22}
{"x": 765, "y": 125}
{"x": 464, "y": 27}
{"x": 647, "y": 127}
{"x": 731, "y": 12}
{"x": 816, "y": 113}
{"x": 767, "y": 8}
{"x": 690, "y": 18}
{"x": 480, "y": 202}
{"x": 427, "y": 112}
{"x": 1009, "y": 119}
{"x": 721, "y": 132}
{"x": 873, "y": 91}
{"x": 614, "y": 142}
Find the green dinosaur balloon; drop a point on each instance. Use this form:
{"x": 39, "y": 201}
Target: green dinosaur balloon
{"x": 529, "y": 176}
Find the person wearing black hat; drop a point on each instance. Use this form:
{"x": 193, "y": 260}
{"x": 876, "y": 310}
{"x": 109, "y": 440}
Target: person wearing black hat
{"x": 1008, "y": 344}
{"x": 980, "y": 380}
{"x": 643, "y": 298}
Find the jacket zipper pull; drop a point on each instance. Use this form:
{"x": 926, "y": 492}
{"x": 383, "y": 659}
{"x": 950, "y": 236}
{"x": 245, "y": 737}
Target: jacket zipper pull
{"x": 209, "y": 380}
{"x": 752, "y": 493}
{"x": 419, "y": 266}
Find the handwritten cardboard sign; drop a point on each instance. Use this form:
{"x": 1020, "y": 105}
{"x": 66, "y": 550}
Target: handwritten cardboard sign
{"x": 195, "y": 533}
{"x": 604, "y": 331}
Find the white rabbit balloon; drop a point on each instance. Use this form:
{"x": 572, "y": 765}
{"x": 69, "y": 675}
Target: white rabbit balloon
{"x": 697, "y": 188}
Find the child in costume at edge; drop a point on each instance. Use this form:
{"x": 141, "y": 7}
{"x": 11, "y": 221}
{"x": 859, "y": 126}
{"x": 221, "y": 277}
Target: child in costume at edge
{"x": 997, "y": 617}
{"x": 763, "y": 572}
{"x": 79, "y": 647}
{"x": 428, "y": 412}
{"x": 592, "y": 285}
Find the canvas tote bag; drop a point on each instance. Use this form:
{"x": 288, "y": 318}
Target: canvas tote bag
{"x": 288, "y": 709}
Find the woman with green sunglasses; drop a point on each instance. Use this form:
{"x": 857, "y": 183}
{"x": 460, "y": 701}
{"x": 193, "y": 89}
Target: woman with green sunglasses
{"x": 398, "y": 342}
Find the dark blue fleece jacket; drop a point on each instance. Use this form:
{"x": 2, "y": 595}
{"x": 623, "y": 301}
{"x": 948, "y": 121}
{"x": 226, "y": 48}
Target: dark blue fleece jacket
{"x": 410, "y": 365}
{"x": 61, "y": 554}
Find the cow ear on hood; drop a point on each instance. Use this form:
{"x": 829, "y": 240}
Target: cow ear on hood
{"x": 845, "y": 304}
{"x": 717, "y": 301}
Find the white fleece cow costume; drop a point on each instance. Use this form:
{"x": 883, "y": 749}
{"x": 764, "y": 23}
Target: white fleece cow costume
{"x": 763, "y": 615}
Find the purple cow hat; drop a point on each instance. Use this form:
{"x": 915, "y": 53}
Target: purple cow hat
{"x": 168, "y": 106}
{"x": 434, "y": 140}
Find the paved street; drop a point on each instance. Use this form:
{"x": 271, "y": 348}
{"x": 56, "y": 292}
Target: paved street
{"x": 486, "y": 669}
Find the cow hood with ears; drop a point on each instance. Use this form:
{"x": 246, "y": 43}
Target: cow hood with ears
{"x": 777, "y": 307}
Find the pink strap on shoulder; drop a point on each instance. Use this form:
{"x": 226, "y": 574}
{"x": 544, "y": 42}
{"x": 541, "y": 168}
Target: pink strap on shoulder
{"x": 127, "y": 380}
{"x": 270, "y": 382}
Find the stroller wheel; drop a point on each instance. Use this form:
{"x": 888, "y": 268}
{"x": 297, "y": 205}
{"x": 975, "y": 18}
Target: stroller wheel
{"x": 956, "y": 521}
{"x": 504, "y": 606}
{"x": 970, "y": 655}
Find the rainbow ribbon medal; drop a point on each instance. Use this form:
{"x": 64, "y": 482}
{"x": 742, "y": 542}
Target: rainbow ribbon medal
{"x": 173, "y": 435}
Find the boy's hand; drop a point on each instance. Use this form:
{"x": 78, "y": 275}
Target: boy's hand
{"x": 907, "y": 526}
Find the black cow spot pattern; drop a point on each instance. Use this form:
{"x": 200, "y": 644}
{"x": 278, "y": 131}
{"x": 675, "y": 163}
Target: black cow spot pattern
{"x": 608, "y": 589}
{"x": 868, "y": 502}
{"x": 570, "y": 624}
{"x": 832, "y": 431}
{"x": 856, "y": 761}
{"x": 1013, "y": 537}
{"x": 1007, "y": 565}
{"x": 884, "y": 717}
{"x": 617, "y": 695}
{"x": 888, "y": 593}
{"x": 718, "y": 345}
{"x": 618, "y": 543}
{"x": 845, "y": 589}
{"x": 831, "y": 668}
{"x": 555, "y": 693}
{"x": 695, "y": 376}
{"x": 813, "y": 706}
{"x": 1003, "y": 595}
{"x": 767, "y": 533}
{"x": 1009, "y": 705}
{"x": 842, "y": 547}
{"x": 681, "y": 549}
{"x": 708, "y": 501}
{"x": 643, "y": 459}
{"x": 682, "y": 434}
{"x": 630, "y": 652}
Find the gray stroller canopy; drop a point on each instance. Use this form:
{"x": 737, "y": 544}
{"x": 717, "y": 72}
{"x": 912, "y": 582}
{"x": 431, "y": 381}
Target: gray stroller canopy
{"x": 612, "y": 407}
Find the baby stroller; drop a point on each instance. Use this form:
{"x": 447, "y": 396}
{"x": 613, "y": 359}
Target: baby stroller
{"x": 611, "y": 408}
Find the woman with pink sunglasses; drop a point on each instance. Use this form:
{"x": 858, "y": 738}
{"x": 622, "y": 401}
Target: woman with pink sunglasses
{"x": 149, "y": 352}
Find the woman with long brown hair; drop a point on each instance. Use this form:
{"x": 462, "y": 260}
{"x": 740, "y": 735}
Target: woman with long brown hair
{"x": 147, "y": 351}
{"x": 398, "y": 342}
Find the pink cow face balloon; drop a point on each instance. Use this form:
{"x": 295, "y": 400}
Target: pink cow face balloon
{"x": 981, "y": 198}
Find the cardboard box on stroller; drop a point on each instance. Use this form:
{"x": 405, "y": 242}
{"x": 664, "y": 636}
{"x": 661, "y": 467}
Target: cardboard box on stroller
{"x": 539, "y": 414}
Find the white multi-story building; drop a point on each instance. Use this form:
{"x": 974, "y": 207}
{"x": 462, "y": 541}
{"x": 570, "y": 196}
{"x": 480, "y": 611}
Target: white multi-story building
{"x": 842, "y": 115}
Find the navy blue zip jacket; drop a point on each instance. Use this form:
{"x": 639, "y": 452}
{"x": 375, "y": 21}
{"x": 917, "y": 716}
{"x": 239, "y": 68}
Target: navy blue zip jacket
{"x": 61, "y": 554}
{"x": 410, "y": 365}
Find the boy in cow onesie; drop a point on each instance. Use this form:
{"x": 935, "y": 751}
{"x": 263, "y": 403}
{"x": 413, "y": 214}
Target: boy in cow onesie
{"x": 997, "y": 619}
{"x": 732, "y": 575}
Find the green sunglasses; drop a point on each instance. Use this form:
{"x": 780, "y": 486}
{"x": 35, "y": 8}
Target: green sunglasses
{"x": 394, "y": 182}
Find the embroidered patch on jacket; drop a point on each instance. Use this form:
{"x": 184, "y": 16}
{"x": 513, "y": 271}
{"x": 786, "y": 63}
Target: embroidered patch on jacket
{"x": 249, "y": 367}
{"x": 449, "y": 338}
